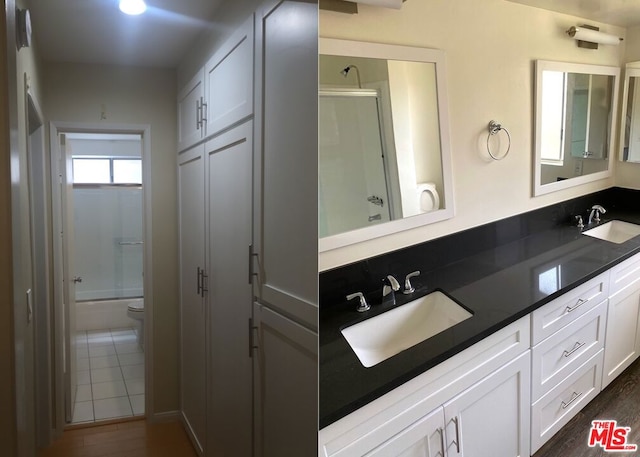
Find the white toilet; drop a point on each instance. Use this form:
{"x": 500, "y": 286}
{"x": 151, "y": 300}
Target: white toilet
{"x": 428, "y": 197}
{"x": 135, "y": 310}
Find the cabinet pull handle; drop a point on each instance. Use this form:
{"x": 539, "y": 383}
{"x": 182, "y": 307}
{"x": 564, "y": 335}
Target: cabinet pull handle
{"x": 199, "y": 286}
{"x": 579, "y": 303}
{"x": 203, "y": 111}
{"x": 441, "y": 432}
{"x": 575, "y": 347}
{"x": 251, "y": 345}
{"x": 457, "y": 440}
{"x": 251, "y": 256}
{"x": 205, "y": 286}
{"x": 198, "y": 114}
{"x": 574, "y": 397}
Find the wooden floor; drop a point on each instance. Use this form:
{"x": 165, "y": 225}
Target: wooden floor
{"x": 619, "y": 401}
{"x": 125, "y": 439}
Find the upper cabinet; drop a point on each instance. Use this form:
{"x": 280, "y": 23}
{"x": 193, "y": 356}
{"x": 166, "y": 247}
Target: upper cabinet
{"x": 220, "y": 95}
{"x": 190, "y": 100}
{"x": 229, "y": 81}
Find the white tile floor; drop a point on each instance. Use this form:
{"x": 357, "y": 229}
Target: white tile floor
{"x": 110, "y": 375}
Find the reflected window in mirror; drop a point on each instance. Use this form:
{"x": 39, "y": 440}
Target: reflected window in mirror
{"x": 384, "y": 162}
{"x": 575, "y": 115}
{"x": 630, "y": 123}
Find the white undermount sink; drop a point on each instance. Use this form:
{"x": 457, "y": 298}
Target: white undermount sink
{"x": 384, "y": 336}
{"x": 614, "y": 231}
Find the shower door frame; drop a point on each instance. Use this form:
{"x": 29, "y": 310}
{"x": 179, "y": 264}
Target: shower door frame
{"x": 58, "y": 186}
{"x": 387, "y": 147}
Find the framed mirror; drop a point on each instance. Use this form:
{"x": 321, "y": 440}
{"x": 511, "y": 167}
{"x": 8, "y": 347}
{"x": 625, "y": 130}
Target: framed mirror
{"x": 630, "y": 121}
{"x": 384, "y": 146}
{"x": 576, "y": 107}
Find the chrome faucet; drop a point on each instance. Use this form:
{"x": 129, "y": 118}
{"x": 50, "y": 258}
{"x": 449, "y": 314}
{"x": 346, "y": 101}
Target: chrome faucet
{"x": 596, "y": 211}
{"x": 389, "y": 289}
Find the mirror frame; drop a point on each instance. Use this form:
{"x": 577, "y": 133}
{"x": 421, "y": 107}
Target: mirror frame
{"x": 542, "y": 65}
{"x": 338, "y": 47}
{"x": 631, "y": 69}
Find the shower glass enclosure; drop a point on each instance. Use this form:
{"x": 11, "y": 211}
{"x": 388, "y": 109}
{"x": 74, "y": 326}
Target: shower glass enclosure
{"x": 107, "y": 205}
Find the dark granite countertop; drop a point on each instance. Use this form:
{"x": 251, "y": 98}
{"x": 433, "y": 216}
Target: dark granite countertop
{"x": 498, "y": 285}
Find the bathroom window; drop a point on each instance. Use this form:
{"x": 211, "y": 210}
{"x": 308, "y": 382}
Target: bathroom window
{"x": 95, "y": 170}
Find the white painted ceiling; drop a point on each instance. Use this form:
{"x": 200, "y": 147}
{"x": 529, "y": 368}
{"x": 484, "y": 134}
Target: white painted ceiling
{"x": 624, "y": 13}
{"x": 95, "y": 31}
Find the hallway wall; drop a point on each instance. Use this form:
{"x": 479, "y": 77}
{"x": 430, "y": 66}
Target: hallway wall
{"x": 77, "y": 93}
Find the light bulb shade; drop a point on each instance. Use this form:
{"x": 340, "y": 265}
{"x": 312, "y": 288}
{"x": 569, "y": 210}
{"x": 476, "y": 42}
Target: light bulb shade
{"x": 593, "y": 36}
{"x": 133, "y": 7}
{"x": 395, "y": 4}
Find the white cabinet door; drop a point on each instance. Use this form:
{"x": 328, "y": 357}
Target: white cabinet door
{"x": 492, "y": 417}
{"x": 229, "y": 296}
{"x": 425, "y": 438}
{"x": 286, "y": 370}
{"x": 191, "y": 207}
{"x": 287, "y": 35}
{"x": 229, "y": 81}
{"x": 623, "y": 333}
{"x": 190, "y": 125}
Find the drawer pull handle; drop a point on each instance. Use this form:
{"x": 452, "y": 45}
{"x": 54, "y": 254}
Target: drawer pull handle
{"x": 579, "y": 303}
{"x": 457, "y": 440}
{"x": 574, "y": 397}
{"x": 575, "y": 347}
{"x": 441, "y": 432}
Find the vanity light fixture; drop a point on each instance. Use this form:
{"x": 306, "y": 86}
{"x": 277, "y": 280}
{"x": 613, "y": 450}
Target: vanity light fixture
{"x": 589, "y": 37}
{"x": 133, "y": 7}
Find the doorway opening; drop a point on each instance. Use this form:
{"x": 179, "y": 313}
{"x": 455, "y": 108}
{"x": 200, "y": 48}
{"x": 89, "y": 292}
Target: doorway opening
{"x": 103, "y": 226}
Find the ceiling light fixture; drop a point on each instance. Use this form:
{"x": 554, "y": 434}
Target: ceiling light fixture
{"x": 133, "y": 7}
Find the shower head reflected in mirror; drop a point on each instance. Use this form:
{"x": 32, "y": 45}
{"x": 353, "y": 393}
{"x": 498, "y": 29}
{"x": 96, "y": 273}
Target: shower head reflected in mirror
{"x": 345, "y": 72}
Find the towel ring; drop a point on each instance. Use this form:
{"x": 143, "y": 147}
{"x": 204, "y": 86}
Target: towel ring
{"x": 494, "y": 128}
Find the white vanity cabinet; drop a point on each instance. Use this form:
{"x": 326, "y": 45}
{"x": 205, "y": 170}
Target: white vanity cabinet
{"x": 568, "y": 336}
{"x": 191, "y": 128}
{"x": 623, "y": 319}
{"x": 446, "y": 407}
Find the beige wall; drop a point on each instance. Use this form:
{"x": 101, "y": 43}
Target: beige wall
{"x": 628, "y": 174}
{"x": 490, "y": 46}
{"x": 76, "y": 93}
{"x": 27, "y": 63}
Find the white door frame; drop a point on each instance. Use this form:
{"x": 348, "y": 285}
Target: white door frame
{"x": 55, "y": 128}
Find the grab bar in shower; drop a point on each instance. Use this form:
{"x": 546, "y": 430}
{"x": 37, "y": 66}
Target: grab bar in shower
{"x": 129, "y": 243}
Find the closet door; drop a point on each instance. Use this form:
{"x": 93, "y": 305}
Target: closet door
{"x": 191, "y": 206}
{"x": 288, "y": 39}
{"x": 229, "y": 232}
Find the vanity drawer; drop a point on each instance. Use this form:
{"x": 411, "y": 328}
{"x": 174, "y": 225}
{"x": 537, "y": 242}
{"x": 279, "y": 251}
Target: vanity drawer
{"x": 556, "y": 408}
{"x": 625, "y": 274}
{"x": 557, "y": 356}
{"x": 550, "y": 318}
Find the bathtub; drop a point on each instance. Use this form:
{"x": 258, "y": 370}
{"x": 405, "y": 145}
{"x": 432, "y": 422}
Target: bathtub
{"x": 104, "y": 314}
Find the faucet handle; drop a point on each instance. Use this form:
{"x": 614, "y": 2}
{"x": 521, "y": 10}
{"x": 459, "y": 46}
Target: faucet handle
{"x": 408, "y": 288}
{"x": 363, "y": 305}
{"x": 580, "y": 222}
